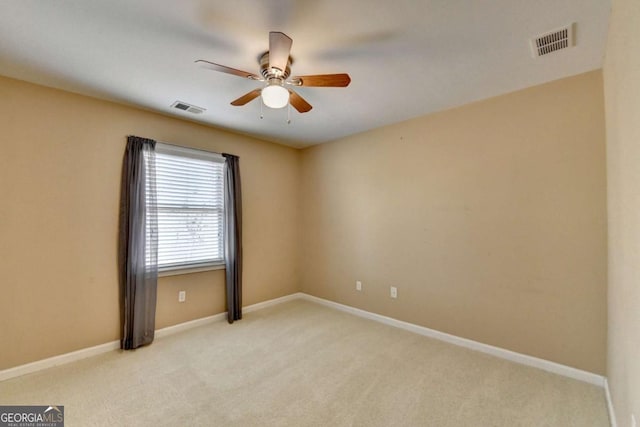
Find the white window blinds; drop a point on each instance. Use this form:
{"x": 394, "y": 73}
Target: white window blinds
{"x": 190, "y": 200}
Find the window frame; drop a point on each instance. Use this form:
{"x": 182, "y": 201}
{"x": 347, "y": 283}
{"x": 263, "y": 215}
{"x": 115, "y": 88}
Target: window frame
{"x": 186, "y": 268}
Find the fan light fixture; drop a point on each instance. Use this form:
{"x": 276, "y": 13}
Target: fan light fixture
{"x": 275, "y": 96}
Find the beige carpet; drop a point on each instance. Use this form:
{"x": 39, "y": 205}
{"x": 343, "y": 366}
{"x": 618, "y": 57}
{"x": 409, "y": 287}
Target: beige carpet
{"x": 301, "y": 364}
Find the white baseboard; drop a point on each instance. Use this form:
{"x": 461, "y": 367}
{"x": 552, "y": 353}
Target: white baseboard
{"x": 612, "y": 413}
{"x": 174, "y": 329}
{"x": 50, "y": 362}
{"x": 523, "y": 359}
{"x": 271, "y": 302}
{"x": 62, "y": 359}
{"x": 170, "y": 330}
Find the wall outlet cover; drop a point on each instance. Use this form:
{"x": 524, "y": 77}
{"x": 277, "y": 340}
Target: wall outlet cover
{"x": 393, "y": 292}
{"x": 182, "y": 296}
{"x": 358, "y": 285}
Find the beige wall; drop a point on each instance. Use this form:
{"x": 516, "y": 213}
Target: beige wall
{"x": 489, "y": 218}
{"x": 60, "y": 164}
{"x": 622, "y": 94}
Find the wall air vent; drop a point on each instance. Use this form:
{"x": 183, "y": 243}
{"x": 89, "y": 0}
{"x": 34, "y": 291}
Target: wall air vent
{"x": 188, "y": 107}
{"x": 553, "y": 41}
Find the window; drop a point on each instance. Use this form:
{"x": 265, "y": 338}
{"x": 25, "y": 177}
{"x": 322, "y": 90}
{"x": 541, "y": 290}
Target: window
{"x": 190, "y": 200}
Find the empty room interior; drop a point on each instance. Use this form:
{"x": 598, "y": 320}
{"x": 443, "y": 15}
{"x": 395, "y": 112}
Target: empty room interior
{"x": 330, "y": 213}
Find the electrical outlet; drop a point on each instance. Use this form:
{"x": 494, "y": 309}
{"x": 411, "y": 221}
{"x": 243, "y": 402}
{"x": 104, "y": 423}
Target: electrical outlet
{"x": 633, "y": 421}
{"x": 393, "y": 292}
{"x": 182, "y": 296}
{"x": 358, "y": 285}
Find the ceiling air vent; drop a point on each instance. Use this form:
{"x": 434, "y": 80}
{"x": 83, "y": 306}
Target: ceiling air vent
{"x": 188, "y": 107}
{"x": 553, "y": 41}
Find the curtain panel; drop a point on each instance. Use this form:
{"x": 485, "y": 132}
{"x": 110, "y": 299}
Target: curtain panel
{"x": 233, "y": 236}
{"x": 138, "y": 245}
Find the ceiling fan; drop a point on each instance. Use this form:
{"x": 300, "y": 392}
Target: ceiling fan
{"x": 275, "y": 68}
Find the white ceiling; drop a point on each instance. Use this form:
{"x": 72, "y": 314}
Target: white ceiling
{"x": 406, "y": 58}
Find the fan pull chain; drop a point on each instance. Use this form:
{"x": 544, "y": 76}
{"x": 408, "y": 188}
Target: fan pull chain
{"x": 261, "y": 107}
{"x": 288, "y": 114}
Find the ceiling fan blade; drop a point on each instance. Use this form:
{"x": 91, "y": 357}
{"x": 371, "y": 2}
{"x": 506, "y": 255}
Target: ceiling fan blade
{"x": 223, "y": 69}
{"x": 327, "y": 80}
{"x": 298, "y": 102}
{"x": 247, "y": 97}
{"x": 279, "y": 49}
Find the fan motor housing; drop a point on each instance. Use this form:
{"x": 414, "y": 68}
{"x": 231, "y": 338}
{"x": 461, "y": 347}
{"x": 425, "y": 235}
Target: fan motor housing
{"x": 271, "y": 73}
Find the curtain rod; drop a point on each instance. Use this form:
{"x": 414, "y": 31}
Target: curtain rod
{"x": 188, "y": 148}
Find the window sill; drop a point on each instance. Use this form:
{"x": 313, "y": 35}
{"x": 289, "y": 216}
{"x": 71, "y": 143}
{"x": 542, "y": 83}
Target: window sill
{"x": 189, "y": 270}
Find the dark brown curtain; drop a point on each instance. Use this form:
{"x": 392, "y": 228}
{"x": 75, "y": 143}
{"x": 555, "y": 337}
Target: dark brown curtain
{"x": 138, "y": 248}
{"x": 233, "y": 236}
